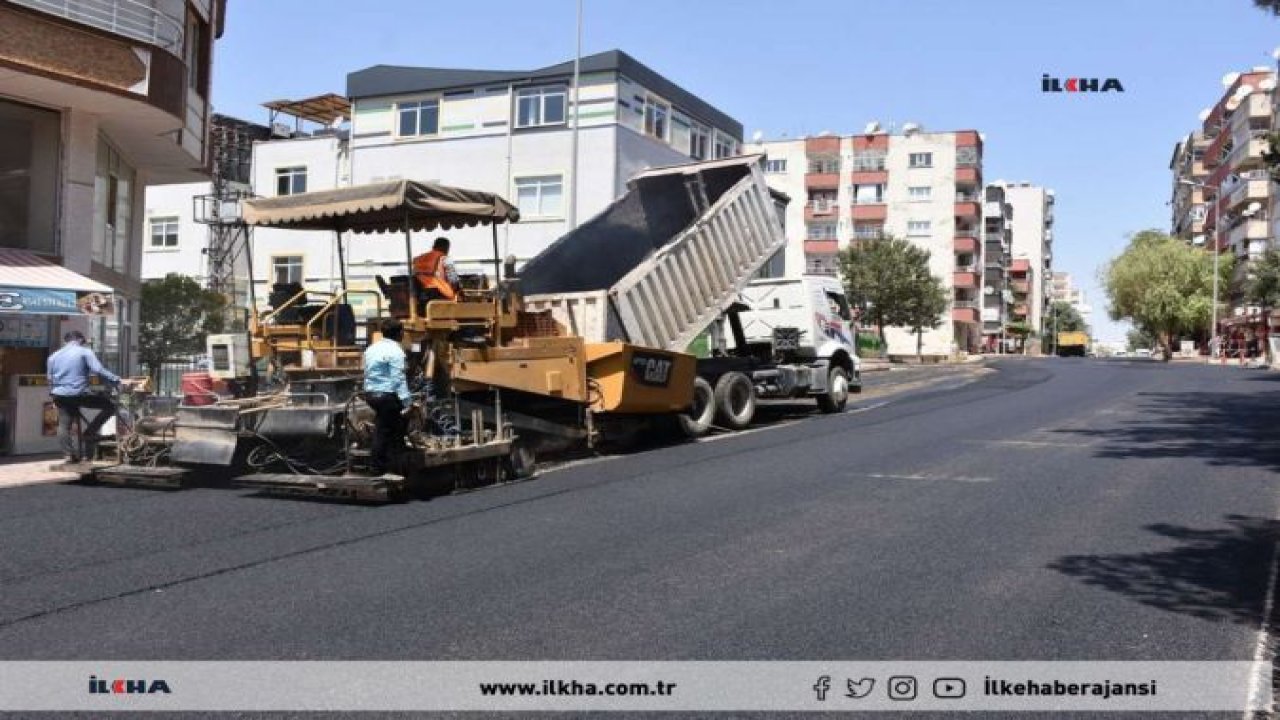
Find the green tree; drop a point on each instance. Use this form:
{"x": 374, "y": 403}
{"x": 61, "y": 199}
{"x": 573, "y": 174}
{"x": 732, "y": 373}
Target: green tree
{"x": 1137, "y": 339}
{"x": 925, "y": 305}
{"x": 883, "y": 276}
{"x": 177, "y": 314}
{"x": 1062, "y": 317}
{"x": 1263, "y": 288}
{"x": 1164, "y": 285}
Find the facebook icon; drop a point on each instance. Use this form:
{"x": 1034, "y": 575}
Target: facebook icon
{"x": 822, "y": 687}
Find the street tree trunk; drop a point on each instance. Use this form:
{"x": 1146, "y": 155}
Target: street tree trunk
{"x": 920, "y": 346}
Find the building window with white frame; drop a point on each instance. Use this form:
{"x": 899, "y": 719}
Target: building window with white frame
{"x": 920, "y": 160}
{"x": 291, "y": 180}
{"x": 286, "y": 269}
{"x": 822, "y": 231}
{"x": 918, "y": 228}
{"x": 868, "y": 194}
{"x": 699, "y": 138}
{"x": 919, "y": 193}
{"x": 540, "y": 196}
{"x": 164, "y": 233}
{"x": 775, "y": 166}
{"x": 824, "y": 165}
{"x": 540, "y": 106}
{"x": 657, "y": 116}
{"x": 418, "y": 118}
{"x": 725, "y": 146}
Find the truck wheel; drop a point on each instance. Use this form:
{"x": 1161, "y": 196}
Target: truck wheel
{"x": 735, "y": 400}
{"x": 702, "y": 413}
{"x": 837, "y": 394}
{"x": 520, "y": 462}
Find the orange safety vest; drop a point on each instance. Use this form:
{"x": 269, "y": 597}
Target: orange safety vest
{"x": 429, "y": 269}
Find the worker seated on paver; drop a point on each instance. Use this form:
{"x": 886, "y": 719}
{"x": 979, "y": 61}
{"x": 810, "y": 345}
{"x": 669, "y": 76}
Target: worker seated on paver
{"x": 436, "y": 277}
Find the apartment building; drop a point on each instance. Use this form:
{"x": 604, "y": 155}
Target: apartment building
{"x": 1031, "y": 251}
{"x": 910, "y": 183}
{"x": 997, "y": 293}
{"x": 1222, "y": 196}
{"x": 507, "y": 132}
{"x": 1062, "y": 288}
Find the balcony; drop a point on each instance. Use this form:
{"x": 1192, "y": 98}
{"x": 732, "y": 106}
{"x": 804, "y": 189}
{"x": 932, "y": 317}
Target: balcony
{"x": 821, "y": 247}
{"x": 820, "y": 212}
{"x": 1020, "y": 310}
{"x": 968, "y": 176}
{"x": 965, "y": 243}
{"x": 967, "y": 209}
{"x": 822, "y": 181}
{"x": 1246, "y": 231}
{"x": 964, "y": 280}
{"x": 878, "y": 211}
{"x": 1020, "y": 266}
{"x": 1020, "y": 287}
{"x": 869, "y": 177}
{"x": 1247, "y": 154}
{"x": 1247, "y": 191}
{"x": 962, "y": 313}
{"x": 868, "y": 232}
{"x": 127, "y": 18}
{"x": 993, "y": 209}
{"x": 824, "y": 145}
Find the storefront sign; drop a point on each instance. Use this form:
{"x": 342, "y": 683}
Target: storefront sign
{"x": 23, "y": 332}
{"x": 43, "y": 301}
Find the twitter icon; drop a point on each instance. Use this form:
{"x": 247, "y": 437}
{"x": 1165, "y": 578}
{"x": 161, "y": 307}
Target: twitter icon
{"x": 860, "y": 688}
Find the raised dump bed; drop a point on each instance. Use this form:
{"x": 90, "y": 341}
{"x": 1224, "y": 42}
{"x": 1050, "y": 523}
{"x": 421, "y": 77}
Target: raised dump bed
{"x": 662, "y": 262}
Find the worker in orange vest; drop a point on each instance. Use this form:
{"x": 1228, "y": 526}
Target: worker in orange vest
{"x": 437, "y": 279}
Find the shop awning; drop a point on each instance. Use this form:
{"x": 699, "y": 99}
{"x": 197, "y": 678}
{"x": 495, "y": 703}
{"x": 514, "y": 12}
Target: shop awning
{"x": 381, "y": 207}
{"x": 33, "y": 285}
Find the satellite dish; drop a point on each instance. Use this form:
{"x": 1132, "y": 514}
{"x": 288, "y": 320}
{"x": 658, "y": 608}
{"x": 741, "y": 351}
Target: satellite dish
{"x": 1253, "y": 207}
{"x": 982, "y": 136}
{"x": 1244, "y": 90}
{"x": 1229, "y": 79}
{"x": 910, "y": 128}
{"x": 1233, "y": 102}
{"x": 757, "y": 136}
{"x": 872, "y": 128}
{"x": 1267, "y": 83}
{"x": 825, "y": 133}
{"x": 988, "y": 290}
{"x": 1204, "y": 114}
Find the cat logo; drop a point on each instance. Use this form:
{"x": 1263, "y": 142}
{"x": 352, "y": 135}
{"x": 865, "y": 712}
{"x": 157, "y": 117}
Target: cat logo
{"x": 652, "y": 369}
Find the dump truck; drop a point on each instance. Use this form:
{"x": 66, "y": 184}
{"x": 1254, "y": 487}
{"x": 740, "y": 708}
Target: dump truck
{"x": 1072, "y": 343}
{"x": 672, "y": 261}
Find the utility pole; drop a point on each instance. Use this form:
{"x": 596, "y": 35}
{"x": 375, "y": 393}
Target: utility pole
{"x": 572, "y": 214}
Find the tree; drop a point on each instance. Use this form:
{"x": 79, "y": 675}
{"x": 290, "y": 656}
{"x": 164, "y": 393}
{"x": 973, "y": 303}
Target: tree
{"x": 1062, "y": 317}
{"x": 1163, "y": 285}
{"x": 177, "y": 314}
{"x": 1263, "y": 288}
{"x": 1138, "y": 339}
{"x": 925, "y": 305}
{"x": 884, "y": 277}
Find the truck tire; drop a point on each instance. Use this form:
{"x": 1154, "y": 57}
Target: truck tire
{"x": 697, "y": 421}
{"x": 837, "y": 394}
{"x": 520, "y": 463}
{"x": 735, "y": 400}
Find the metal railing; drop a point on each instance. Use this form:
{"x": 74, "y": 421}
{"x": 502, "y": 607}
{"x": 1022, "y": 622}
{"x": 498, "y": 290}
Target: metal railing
{"x": 133, "y": 19}
{"x": 966, "y": 304}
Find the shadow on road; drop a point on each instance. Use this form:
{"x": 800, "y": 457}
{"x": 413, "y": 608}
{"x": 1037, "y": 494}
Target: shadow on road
{"x": 1213, "y": 574}
{"x": 1229, "y": 429}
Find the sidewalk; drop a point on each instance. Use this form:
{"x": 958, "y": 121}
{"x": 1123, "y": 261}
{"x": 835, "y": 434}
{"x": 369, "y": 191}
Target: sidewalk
{"x": 33, "y": 470}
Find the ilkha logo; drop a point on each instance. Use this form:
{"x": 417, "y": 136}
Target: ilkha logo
{"x": 121, "y": 686}
{"x": 1076, "y": 84}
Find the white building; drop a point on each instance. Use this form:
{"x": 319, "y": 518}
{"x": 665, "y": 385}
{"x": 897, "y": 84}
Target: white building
{"x": 504, "y": 132}
{"x": 922, "y": 186}
{"x": 1032, "y": 249}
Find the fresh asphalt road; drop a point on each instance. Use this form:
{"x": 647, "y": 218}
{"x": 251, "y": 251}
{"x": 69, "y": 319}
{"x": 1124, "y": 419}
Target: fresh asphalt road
{"x": 1053, "y": 509}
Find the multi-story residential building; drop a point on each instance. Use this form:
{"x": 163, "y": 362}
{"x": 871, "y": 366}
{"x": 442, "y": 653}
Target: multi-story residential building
{"x": 922, "y": 186}
{"x": 1031, "y": 262}
{"x": 1063, "y": 289}
{"x": 98, "y": 100}
{"x": 506, "y": 132}
{"x": 1222, "y": 197}
{"x": 997, "y": 296}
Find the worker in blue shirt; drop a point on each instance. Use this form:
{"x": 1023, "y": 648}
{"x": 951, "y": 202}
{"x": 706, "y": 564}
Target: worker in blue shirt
{"x": 68, "y": 373}
{"x": 386, "y": 389}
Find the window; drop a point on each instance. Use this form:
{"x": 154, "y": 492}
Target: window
{"x": 823, "y": 201}
{"x": 286, "y": 269}
{"x": 920, "y": 193}
{"x": 868, "y": 194}
{"x": 868, "y": 231}
{"x": 164, "y": 233}
{"x": 775, "y": 166}
{"x": 868, "y": 160}
{"x": 967, "y": 156}
{"x": 540, "y": 196}
{"x": 699, "y": 136}
{"x": 29, "y": 168}
{"x": 291, "y": 180}
{"x": 725, "y": 146}
{"x": 113, "y": 194}
{"x": 822, "y": 231}
{"x": 824, "y": 165}
{"x": 536, "y": 107}
{"x": 418, "y": 118}
{"x": 917, "y": 227}
{"x": 920, "y": 160}
{"x": 656, "y": 114}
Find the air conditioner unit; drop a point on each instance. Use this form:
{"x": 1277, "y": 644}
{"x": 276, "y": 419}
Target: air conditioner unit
{"x": 228, "y": 355}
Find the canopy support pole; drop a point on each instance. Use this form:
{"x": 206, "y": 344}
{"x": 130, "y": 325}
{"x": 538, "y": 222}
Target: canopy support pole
{"x": 497, "y": 259}
{"x": 408, "y": 259}
{"x": 342, "y": 263}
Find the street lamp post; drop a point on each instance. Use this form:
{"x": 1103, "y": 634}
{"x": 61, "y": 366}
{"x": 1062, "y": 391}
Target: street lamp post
{"x": 1213, "y": 328}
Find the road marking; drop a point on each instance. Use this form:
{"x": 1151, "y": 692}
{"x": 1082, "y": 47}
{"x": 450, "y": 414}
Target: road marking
{"x": 932, "y": 478}
{"x": 1262, "y": 648}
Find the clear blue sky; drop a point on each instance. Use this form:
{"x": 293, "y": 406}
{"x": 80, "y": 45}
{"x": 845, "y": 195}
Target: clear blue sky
{"x": 798, "y": 66}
